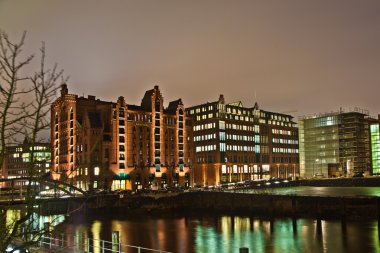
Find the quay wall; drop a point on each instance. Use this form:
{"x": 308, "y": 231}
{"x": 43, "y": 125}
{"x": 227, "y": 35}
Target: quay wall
{"x": 271, "y": 205}
{"x": 340, "y": 182}
{"x": 354, "y": 208}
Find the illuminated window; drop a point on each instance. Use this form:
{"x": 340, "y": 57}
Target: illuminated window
{"x": 224, "y": 169}
{"x": 96, "y": 171}
{"x": 375, "y": 148}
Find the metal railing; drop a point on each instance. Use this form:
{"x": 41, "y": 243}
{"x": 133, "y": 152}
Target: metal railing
{"x": 92, "y": 245}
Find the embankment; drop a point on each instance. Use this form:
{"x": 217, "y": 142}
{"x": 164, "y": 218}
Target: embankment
{"x": 352, "y": 208}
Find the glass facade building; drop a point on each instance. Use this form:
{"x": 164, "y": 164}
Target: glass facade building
{"x": 375, "y": 149}
{"x": 335, "y": 144}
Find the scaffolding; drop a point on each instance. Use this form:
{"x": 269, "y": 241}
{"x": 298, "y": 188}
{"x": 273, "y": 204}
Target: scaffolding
{"x": 335, "y": 143}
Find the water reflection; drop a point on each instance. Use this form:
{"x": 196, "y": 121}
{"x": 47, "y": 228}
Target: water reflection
{"x": 203, "y": 233}
{"x": 36, "y": 221}
{"x": 318, "y": 191}
{"x": 229, "y": 233}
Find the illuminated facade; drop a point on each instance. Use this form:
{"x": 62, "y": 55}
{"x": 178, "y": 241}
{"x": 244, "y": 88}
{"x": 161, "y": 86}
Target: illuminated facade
{"x": 335, "y": 144}
{"x": 18, "y": 162}
{"x": 107, "y": 145}
{"x": 233, "y": 143}
{"x": 375, "y": 147}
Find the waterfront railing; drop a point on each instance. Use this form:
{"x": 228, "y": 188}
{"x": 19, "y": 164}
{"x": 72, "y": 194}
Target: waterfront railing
{"x": 91, "y": 245}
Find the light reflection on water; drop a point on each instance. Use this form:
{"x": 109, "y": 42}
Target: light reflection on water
{"x": 229, "y": 233}
{"x": 318, "y": 191}
{"x": 37, "y": 221}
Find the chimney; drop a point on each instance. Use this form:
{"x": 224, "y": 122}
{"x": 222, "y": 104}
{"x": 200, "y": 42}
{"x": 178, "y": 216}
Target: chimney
{"x": 221, "y": 99}
{"x": 64, "y": 90}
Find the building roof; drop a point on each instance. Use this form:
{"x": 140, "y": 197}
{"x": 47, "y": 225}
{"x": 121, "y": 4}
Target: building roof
{"x": 146, "y": 102}
{"x": 135, "y": 107}
{"x": 238, "y": 104}
{"x": 172, "y": 108}
{"x": 339, "y": 112}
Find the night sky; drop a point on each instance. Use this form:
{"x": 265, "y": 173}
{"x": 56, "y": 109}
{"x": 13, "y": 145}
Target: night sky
{"x": 301, "y": 57}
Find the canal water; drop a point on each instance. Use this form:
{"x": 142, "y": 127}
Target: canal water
{"x": 207, "y": 233}
{"x": 225, "y": 233}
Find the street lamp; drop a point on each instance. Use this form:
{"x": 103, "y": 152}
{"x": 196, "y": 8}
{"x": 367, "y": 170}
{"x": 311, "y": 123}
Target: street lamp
{"x": 316, "y": 160}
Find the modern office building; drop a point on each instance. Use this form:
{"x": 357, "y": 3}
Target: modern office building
{"x": 115, "y": 145}
{"x": 375, "y": 147}
{"x": 335, "y": 144}
{"x": 233, "y": 143}
{"x": 18, "y": 162}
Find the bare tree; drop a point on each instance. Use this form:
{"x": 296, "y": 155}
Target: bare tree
{"x": 11, "y": 108}
{"x": 27, "y": 118}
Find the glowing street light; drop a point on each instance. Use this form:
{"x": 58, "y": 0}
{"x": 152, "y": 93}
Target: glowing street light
{"x": 316, "y": 161}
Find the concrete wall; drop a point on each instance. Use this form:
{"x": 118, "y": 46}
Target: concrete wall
{"x": 223, "y": 202}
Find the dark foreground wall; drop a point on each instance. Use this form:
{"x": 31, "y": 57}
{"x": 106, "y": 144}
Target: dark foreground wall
{"x": 273, "y": 205}
{"x": 226, "y": 202}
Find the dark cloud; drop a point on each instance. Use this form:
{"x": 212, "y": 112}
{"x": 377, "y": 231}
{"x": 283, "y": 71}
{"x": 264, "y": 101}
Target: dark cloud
{"x": 308, "y": 56}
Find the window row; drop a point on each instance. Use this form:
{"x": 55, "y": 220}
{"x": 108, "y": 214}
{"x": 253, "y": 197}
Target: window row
{"x": 206, "y": 137}
{"x": 281, "y": 131}
{"x": 204, "y": 126}
{"x": 280, "y": 117}
{"x": 203, "y": 109}
{"x": 237, "y": 137}
{"x": 205, "y": 148}
{"x": 255, "y": 128}
{"x": 284, "y": 141}
{"x": 286, "y": 150}
{"x": 278, "y": 123}
{"x": 241, "y": 118}
{"x": 255, "y": 148}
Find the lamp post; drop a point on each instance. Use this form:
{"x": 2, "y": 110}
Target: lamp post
{"x": 316, "y": 160}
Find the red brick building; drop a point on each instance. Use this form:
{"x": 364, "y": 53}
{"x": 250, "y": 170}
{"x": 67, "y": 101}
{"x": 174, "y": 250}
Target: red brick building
{"x": 115, "y": 145}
